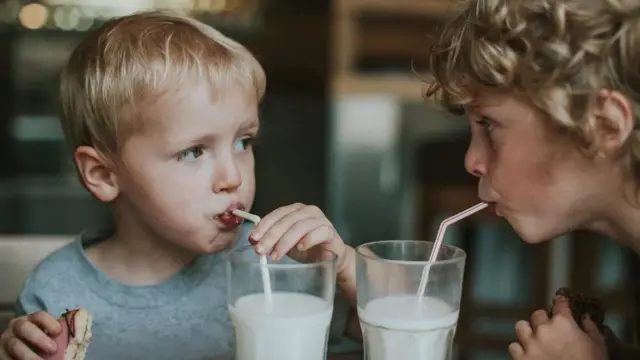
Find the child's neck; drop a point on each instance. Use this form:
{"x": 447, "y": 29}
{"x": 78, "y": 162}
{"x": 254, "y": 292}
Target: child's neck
{"x": 620, "y": 217}
{"x": 134, "y": 258}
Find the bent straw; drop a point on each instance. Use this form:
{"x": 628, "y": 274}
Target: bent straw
{"x": 438, "y": 244}
{"x": 266, "y": 280}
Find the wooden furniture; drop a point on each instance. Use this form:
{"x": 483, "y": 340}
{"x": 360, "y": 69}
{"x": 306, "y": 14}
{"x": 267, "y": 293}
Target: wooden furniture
{"x": 376, "y": 42}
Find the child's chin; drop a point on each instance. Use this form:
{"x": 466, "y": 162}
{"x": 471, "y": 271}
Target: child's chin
{"x": 532, "y": 234}
{"x": 220, "y": 243}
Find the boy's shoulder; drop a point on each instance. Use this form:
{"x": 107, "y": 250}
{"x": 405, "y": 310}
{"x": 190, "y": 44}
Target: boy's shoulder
{"x": 66, "y": 261}
{"x": 58, "y": 263}
{"x": 57, "y": 275}
{"x": 66, "y": 278}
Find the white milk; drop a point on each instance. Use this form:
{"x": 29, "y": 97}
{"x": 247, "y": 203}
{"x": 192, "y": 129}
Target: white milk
{"x": 297, "y": 328}
{"x": 394, "y": 328}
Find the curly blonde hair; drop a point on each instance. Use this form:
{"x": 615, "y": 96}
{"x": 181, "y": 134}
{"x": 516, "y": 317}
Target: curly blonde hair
{"x": 556, "y": 53}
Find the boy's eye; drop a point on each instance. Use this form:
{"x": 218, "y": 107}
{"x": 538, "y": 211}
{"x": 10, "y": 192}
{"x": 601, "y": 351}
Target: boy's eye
{"x": 243, "y": 143}
{"x": 486, "y": 124}
{"x": 190, "y": 154}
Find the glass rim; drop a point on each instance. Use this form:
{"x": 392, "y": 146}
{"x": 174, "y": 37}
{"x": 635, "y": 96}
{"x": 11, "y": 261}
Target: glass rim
{"x": 462, "y": 255}
{"x": 314, "y": 264}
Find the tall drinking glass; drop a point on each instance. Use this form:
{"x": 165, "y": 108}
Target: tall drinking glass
{"x": 294, "y": 323}
{"x": 394, "y": 323}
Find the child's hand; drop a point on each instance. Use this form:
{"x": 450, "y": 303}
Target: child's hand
{"x": 558, "y": 338}
{"x": 27, "y": 335}
{"x": 297, "y": 230}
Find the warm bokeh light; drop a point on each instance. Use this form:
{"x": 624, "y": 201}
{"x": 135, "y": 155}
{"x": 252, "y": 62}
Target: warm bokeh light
{"x": 33, "y": 16}
{"x": 81, "y": 15}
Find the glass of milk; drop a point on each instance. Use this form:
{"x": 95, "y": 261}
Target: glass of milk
{"x": 394, "y": 324}
{"x": 294, "y": 323}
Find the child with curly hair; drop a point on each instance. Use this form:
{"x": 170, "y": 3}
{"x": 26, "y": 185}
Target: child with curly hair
{"x": 549, "y": 88}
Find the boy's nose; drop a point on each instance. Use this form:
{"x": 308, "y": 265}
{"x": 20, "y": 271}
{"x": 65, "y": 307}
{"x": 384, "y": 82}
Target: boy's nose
{"x": 475, "y": 159}
{"x": 227, "y": 177}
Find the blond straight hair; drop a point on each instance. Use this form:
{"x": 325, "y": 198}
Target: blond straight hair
{"x": 132, "y": 61}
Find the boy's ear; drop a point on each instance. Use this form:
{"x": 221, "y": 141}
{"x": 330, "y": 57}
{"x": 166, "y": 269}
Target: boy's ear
{"x": 97, "y": 173}
{"x": 614, "y": 122}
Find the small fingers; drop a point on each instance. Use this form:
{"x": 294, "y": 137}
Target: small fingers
{"x": 516, "y": 351}
{"x": 3, "y": 354}
{"x": 274, "y": 234}
{"x": 594, "y": 333}
{"x": 4, "y": 338}
{"x": 538, "y": 318}
{"x": 272, "y": 218}
{"x": 524, "y": 332}
{"x": 320, "y": 234}
{"x": 46, "y": 322}
{"x": 26, "y": 331}
{"x": 16, "y": 349}
{"x": 303, "y": 232}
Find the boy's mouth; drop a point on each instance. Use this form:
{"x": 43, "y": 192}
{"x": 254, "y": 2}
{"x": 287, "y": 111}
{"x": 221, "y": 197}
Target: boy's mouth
{"x": 227, "y": 220}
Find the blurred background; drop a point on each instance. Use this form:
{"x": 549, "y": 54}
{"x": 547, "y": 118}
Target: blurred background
{"x": 344, "y": 127}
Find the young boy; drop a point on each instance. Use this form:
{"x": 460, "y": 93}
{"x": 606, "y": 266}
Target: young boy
{"x": 549, "y": 88}
{"x": 160, "y": 112}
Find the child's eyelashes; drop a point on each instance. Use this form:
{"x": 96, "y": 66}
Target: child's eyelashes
{"x": 240, "y": 145}
{"x": 191, "y": 154}
{"x": 244, "y": 143}
{"x": 487, "y": 124}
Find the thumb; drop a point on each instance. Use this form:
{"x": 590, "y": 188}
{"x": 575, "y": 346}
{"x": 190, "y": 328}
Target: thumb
{"x": 592, "y": 330}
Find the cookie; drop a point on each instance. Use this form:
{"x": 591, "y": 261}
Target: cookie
{"x": 581, "y": 306}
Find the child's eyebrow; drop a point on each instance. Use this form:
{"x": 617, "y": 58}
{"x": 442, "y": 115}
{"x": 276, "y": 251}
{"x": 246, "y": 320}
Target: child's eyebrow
{"x": 204, "y": 138}
{"x": 477, "y": 105}
{"x": 250, "y": 123}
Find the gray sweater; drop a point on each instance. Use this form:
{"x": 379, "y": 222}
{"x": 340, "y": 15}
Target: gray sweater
{"x": 183, "y": 318}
